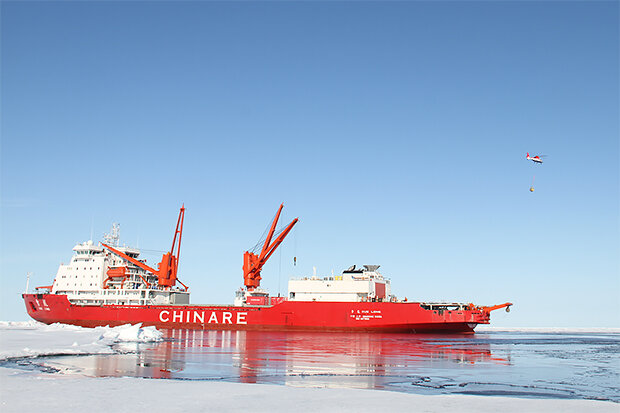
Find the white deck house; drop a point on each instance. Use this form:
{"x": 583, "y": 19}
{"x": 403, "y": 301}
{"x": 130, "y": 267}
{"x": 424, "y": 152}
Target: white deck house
{"x": 354, "y": 285}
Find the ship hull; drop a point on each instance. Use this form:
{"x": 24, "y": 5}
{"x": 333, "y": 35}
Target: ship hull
{"x": 399, "y": 317}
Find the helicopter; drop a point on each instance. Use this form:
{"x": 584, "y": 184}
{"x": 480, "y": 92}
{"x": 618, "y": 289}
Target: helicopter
{"x": 535, "y": 159}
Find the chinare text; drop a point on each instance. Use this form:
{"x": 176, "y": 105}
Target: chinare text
{"x": 216, "y": 317}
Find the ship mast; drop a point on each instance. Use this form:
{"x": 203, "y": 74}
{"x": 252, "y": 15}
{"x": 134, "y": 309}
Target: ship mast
{"x": 114, "y": 236}
{"x": 253, "y": 264}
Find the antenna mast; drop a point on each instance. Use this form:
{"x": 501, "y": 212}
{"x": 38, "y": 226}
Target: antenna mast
{"x": 114, "y": 236}
{"x": 27, "y": 281}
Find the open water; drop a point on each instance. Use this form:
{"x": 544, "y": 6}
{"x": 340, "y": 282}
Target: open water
{"x": 516, "y": 364}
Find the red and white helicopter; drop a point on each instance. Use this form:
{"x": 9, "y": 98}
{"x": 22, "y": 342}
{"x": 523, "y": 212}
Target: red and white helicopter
{"x": 536, "y": 159}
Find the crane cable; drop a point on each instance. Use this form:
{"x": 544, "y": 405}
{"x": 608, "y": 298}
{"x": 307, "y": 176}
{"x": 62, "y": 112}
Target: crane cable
{"x": 276, "y": 233}
{"x": 295, "y": 248}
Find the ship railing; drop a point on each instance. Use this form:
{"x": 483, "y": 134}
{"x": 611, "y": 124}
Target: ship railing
{"x": 444, "y": 306}
{"x": 43, "y": 289}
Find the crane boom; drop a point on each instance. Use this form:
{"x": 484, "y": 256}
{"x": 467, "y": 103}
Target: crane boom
{"x": 253, "y": 264}
{"x": 497, "y": 307}
{"x": 272, "y": 248}
{"x": 270, "y": 235}
{"x": 167, "y": 269}
{"x": 178, "y": 231}
{"x": 130, "y": 259}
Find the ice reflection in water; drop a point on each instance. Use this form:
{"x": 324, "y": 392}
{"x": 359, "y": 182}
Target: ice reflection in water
{"x": 517, "y": 364}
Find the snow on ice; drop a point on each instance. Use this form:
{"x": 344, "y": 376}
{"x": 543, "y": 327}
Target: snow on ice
{"x": 32, "y": 339}
{"x": 22, "y": 390}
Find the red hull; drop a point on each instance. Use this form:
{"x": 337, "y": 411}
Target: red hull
{"x": 288, "y": 315}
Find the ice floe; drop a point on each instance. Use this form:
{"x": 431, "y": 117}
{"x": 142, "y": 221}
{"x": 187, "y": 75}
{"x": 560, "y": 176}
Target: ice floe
{"x": 32, "y": 339}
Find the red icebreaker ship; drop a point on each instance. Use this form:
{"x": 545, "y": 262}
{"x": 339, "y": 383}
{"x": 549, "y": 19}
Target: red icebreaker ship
{"x": 108, "y": 284}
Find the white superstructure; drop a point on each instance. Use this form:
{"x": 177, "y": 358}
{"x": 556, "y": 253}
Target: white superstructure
{"x": 95, "y": 276}
{"x": 353, "y": 285}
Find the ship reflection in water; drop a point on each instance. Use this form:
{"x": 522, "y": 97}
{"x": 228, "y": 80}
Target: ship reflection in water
{"x": 520, "y": 364}
{"x": 375, "y": 361}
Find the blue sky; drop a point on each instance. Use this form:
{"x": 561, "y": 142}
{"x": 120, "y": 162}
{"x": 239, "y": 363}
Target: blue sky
{"x": 395, "y": 131}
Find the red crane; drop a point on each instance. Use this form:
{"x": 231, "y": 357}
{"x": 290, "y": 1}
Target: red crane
{"x": 253, "y": 264}
{"x": 167, "y": 269}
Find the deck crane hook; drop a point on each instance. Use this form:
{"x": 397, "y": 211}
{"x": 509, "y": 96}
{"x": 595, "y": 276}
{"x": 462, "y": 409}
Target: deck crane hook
{"x": 253, "y": 264}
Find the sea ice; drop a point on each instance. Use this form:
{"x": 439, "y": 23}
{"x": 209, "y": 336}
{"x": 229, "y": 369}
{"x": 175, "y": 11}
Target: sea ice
{"x": 22, "y": 390}
{"x": 32, "y": 339}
